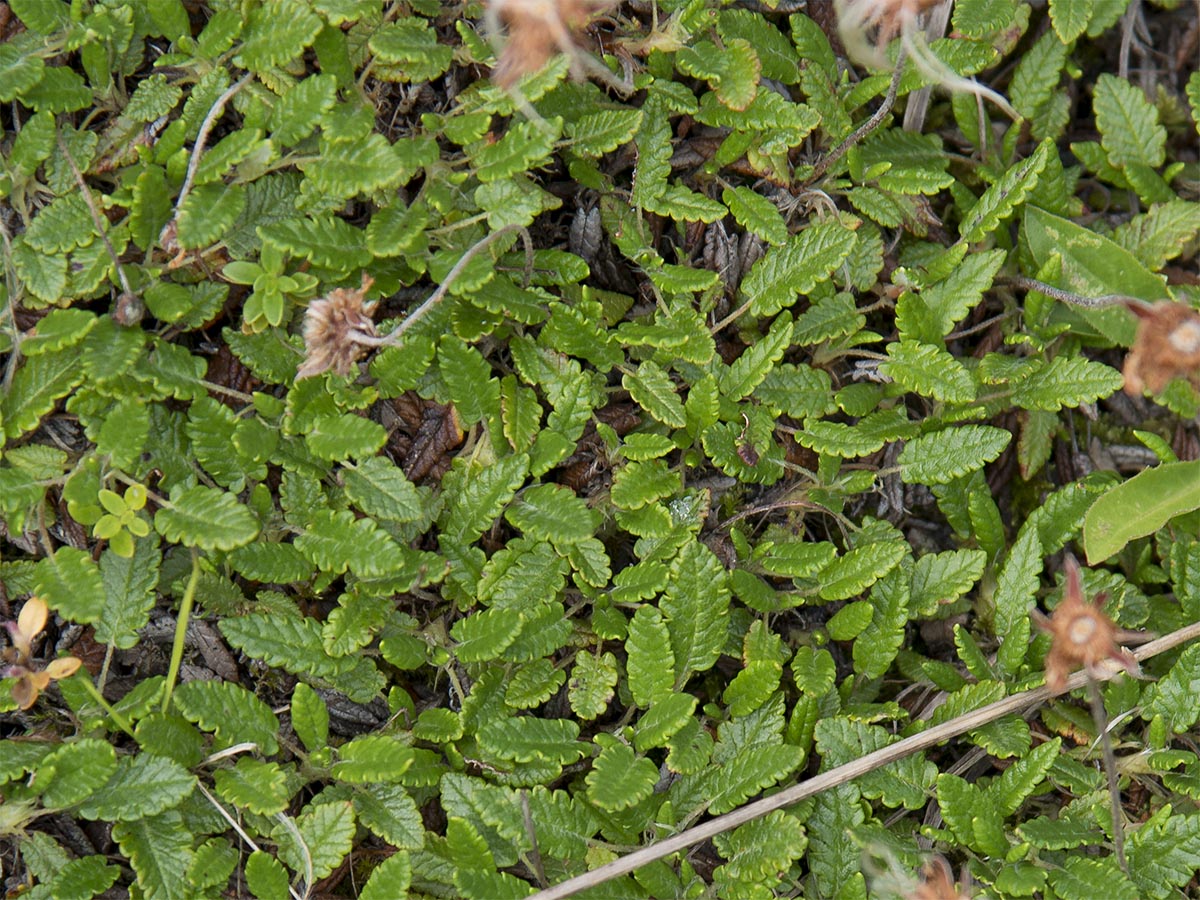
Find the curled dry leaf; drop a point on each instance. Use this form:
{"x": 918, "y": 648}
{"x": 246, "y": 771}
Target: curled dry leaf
{"x": 337, "y": 330}
{"x": 937, "y": 883}
{"x": 1167, "y": 346}
{"x": 1082, "y": 635}
{"x": 537, "y": 30}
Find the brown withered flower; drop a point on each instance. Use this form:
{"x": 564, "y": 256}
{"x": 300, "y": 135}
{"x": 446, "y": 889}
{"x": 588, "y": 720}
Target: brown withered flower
{"x": 338, "y": 330}
{"x": 937, "y": 883}
{"x": 1167, "y": 346}
{"x": 1082, "y": 635}
{"x": 32, "y": 678}
{"x": 537, "y": 31}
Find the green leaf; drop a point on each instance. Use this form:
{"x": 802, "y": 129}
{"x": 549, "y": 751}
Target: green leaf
{"x": 618, "y": 779}
{"x": 142, "y": 786}
{"x": 1140, "y": 506}
{"x": 1129, "y": 128}
{"x": 159, "y": 848}
{"x": 207, "y": 518}
{"x": 208, "y": 214}
{"x": 71, "y": 584}
{"x": 389, "y": 812}
{"x": 390, "y": 879}
{"x": 1066, "y": 381}
{"x": 649, "y": 653}
{"x": 526, "y": 739}
{"x": 18, "y": 71}
{"x": 941, "y": 578}
{"x": 129, "y": 592}
{"x": 796, "y": 268}
{"x": 851, "y": 574}
{"x": 780, "y": 61}
{"x": 1082, "y": 878}
{"x": 380, "y": 489}
{"x": 348, "y": 168}
{"x": 410, "y": 48}
{"x": 277, "y": 33}
{"x": 641, "y": 483}
{"x": 750, "y": 369}
{"x": 663, "y": 720}
{"x": 36, "y": 388}
{"x": 1019, "y": 780}
{"x": 328, "y": 242}
{"x": 597, "y": 133}
{"x": 942, "y": 456}
{"x": 265, "y": 876}
{"x": 553, "y": 513}
{"x": 756, "y": 214}
{"x": 525, "y": 146}
{"x": 485, "y": 635}
{"x": 1016, "y": 588}
{"x": 1164, "y": 853}
{"x": 593, "y": 679}
{"x": 1174, "y": 696}
{"x": 1070, "y": 18}
{"x": 76, "y": 771}
{"x": 1002, "y": 198}
{"x": 835, "y": 862}
{"x": 684, "y": 205}
{"x": 254, "y": 785}
{"x": 929, "y": 371}
{"x": 230, "y": 711}
{"x": 372, "y": 758}
{"x": 1155, "y": 237}
{"x": 325, "y": 836}
{"x": 876, "y": 647}
{"x": 652, "y": 389}
{"x": 695, "y": 605}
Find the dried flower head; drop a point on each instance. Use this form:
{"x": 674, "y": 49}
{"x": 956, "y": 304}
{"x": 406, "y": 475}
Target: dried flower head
{"x": 338, "y": 330}
{"x": 867, "y": 27}
{"x": 937, "y": 882}
{"x": 31, "y": 678}
{"x": 1083, "y": 635}
{"x": 537, "y": 30}
{"x": 1167, "y": 346}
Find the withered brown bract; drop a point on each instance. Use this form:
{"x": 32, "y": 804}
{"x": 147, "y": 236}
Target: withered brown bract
{"x": 1167, "y": 346}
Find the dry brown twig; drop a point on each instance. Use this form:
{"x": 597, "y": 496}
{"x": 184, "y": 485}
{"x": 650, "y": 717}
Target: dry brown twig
{"x": 856, "y": 769}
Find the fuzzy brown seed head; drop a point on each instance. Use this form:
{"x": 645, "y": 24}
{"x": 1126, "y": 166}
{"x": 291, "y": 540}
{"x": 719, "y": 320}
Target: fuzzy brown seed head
{"x": 889, "y": 17}
{"x": 1167, "y": 346}
{"x": 537, "y": 30}
{"x": 937, "y": 883}
{"x": 333, "y": 328}
{"x": 1082, "y": 634}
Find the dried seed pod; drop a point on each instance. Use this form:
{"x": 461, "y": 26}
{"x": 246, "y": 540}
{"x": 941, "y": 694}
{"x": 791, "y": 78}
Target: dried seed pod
{"x": 1167, "y": 346}
{"x": 334, "y": 328}
{"x": 1083, "y": 635}
{"x": 937, "y": 882}
{"x": 537, "y": 30}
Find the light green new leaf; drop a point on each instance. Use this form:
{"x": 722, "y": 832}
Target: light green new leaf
{"x": 298, "y": 111}
{"x": 942, "y": 456}
{"x": 310, "y": 717}
{"x": 347, "y": 168}
{"x": 390, "y": 879}
{"x": 277, "y": 33}
{"x": 618, "y": 779}
{"x": 859, "y": 568}
{"x": 750, "y": 369}
{"x": 1129, "y": 128}
{"x": 36, "y": 388}
{"x": 1066, "y": 381}
{"x": 593, "y": 679}
{"x": 1140, "y": 506}
{"x": 328, "y": 242}
{"x": 265, "y": 875}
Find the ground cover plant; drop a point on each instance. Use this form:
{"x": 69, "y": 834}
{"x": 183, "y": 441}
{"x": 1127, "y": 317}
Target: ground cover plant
{"x": 448, "y": 448}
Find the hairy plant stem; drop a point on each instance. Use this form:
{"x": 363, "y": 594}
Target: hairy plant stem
{"x": 181, "y": 624}
{"x": 843, "y": 774}
{"x": 393, "y": 337}
{"x": 1104, "y": 300}
{"x": 1100, "y": 716}
{"x": 889, "y": 100}
{"x": 206, "y": 126}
